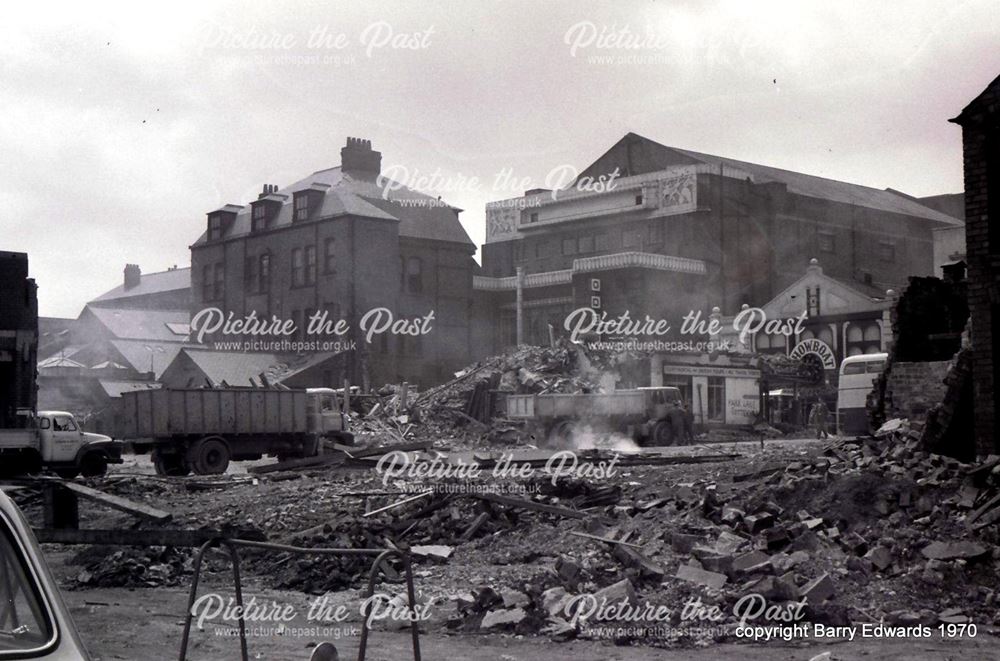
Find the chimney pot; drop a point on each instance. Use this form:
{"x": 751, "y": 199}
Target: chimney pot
{"x": 133, "y": 275}
{"x": 358, "y": 156}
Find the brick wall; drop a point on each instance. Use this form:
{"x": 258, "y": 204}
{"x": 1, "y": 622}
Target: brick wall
{"x": 979, "y": 130}
{"x": 913, "y": 388}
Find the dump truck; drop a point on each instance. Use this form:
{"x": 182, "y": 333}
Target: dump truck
{"x": 203, "y": 429}
{"x": 650, "y": 416}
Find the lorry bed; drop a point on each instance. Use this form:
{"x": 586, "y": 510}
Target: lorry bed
{"x": 578, "y": 405}
{"x": 151, "y": 414}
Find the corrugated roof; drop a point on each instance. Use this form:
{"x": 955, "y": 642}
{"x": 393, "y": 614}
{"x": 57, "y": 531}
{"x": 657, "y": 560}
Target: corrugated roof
{"x": 244, "y": 368}
{"x": 357, "y": 195}
{"x": 151, "y": 283}
{"x": 128, "y": 324}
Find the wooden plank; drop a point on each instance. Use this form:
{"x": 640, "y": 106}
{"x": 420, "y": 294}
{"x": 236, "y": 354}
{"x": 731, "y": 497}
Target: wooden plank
{"x": 116, "y": 502}
{"x": 186, "y": 538}
{"x": 415, "y": 446}
{"x": 397, "y": 504}
{"x": 523, "y": 503}
{"x": 608, "y": 540}
{"x": 302, "y": 463}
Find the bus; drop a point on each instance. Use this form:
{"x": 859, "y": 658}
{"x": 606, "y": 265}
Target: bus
{"x": 857, "y": 377}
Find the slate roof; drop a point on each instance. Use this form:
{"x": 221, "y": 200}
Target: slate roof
{"x": 356, "y": 194}
{"x": 125, "y": 324}
{"x": 238, "y": 368}
{"x": 137, "y": 354}
{"x": 150, "y": 283}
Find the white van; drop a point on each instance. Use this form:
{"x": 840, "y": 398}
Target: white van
{"x": 857, "y": 376}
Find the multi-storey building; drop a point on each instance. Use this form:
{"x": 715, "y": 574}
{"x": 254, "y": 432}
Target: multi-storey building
{"x": 660, "y": 231}
{"x": 343, "y": 241}
{"x": 980, "y": 122}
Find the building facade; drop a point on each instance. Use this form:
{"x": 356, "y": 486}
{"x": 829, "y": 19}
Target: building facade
{"x": 344, "y": 242}
{"x": 662, "y": 231}
{"x": 980, "y": 122}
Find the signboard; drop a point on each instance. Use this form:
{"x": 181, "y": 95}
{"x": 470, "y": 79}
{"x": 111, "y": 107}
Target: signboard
{"x": 703, "y": 370}
{"x": 501, "y": 222}
{"x": 742, "y": 401}
{"x": 818, "y": 348}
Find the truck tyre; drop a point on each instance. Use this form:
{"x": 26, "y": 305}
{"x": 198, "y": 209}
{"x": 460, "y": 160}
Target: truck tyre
{"x": 94, "y": 464}
{"x": 171, "y": 464}
{"x": 211, "y": 456}
{"x": 561, "y": 434}
{"x": 663, "y": 433}
{"x": 31, "y": 463}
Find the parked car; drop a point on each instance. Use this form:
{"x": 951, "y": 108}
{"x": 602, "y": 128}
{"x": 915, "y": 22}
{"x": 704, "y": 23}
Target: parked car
{"x": 36, "y": 623}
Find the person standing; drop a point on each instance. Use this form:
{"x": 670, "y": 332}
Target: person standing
{"x": 818, "y": 416}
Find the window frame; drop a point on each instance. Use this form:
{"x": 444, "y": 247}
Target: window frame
{"x": 298, "y": 265}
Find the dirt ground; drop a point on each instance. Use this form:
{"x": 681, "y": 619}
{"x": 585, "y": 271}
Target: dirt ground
{"x": 146, "y": 622}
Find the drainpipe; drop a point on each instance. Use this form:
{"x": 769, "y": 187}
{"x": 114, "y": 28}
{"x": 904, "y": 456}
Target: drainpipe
{"x": 520, "y": 305}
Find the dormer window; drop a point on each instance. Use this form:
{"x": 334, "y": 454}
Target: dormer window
{"x": 259, "y": 218}
{"x": 301, "y": 206}
{"x": 308, "y": 201}
{"x": 221, "y": 220}
{"x": 214, "y": 227}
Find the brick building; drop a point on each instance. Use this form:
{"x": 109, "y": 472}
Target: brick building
{"x": 980, "y": 122}
{"x": 663, "y": 231}
{"x": 335, "y": 241}
{"x": 18, "y": 337}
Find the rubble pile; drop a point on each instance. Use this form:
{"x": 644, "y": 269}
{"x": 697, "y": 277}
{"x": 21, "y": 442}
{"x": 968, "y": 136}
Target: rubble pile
{"x": 474, "y": 397}
{"x": 151, "y": 566}
{"x": 871, "y": 530}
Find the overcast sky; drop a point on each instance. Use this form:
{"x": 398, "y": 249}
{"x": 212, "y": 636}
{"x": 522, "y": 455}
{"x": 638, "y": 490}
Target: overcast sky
{"x": 122, "y": 125}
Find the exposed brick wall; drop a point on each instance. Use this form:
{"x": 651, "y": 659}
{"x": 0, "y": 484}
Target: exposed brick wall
{"x": 913, "y": 388}
{"x": 979, "y": 128}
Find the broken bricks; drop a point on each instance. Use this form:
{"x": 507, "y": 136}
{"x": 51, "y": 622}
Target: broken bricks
{"x": 707, "y": 579}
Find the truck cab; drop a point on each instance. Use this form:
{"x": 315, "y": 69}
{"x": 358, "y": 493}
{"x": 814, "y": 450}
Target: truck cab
{"x": 65, "y": 447}
{"x": 327, "y": 417}
{"x": 664, "y": 407}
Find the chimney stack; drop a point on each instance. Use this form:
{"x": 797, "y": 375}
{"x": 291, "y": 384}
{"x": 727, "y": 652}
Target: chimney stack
{"x": 132, "y": 276}
{"x": 358, "y": 157}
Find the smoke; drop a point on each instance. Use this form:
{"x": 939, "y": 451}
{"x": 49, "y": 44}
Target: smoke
{"x": 585, "y": 437}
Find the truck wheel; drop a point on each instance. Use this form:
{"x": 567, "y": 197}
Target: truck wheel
{"x": 561, "y": 434}
{"x": 171, "y": 464}
{"x": 94, "y": 464}
{"x": 663, "y": 433}
{"x": 211, "y": 457}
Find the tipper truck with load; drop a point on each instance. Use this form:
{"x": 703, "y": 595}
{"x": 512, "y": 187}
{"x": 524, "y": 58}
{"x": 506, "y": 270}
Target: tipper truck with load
{"x": 202, "y": 429}
{"x": 650, "y": 416}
